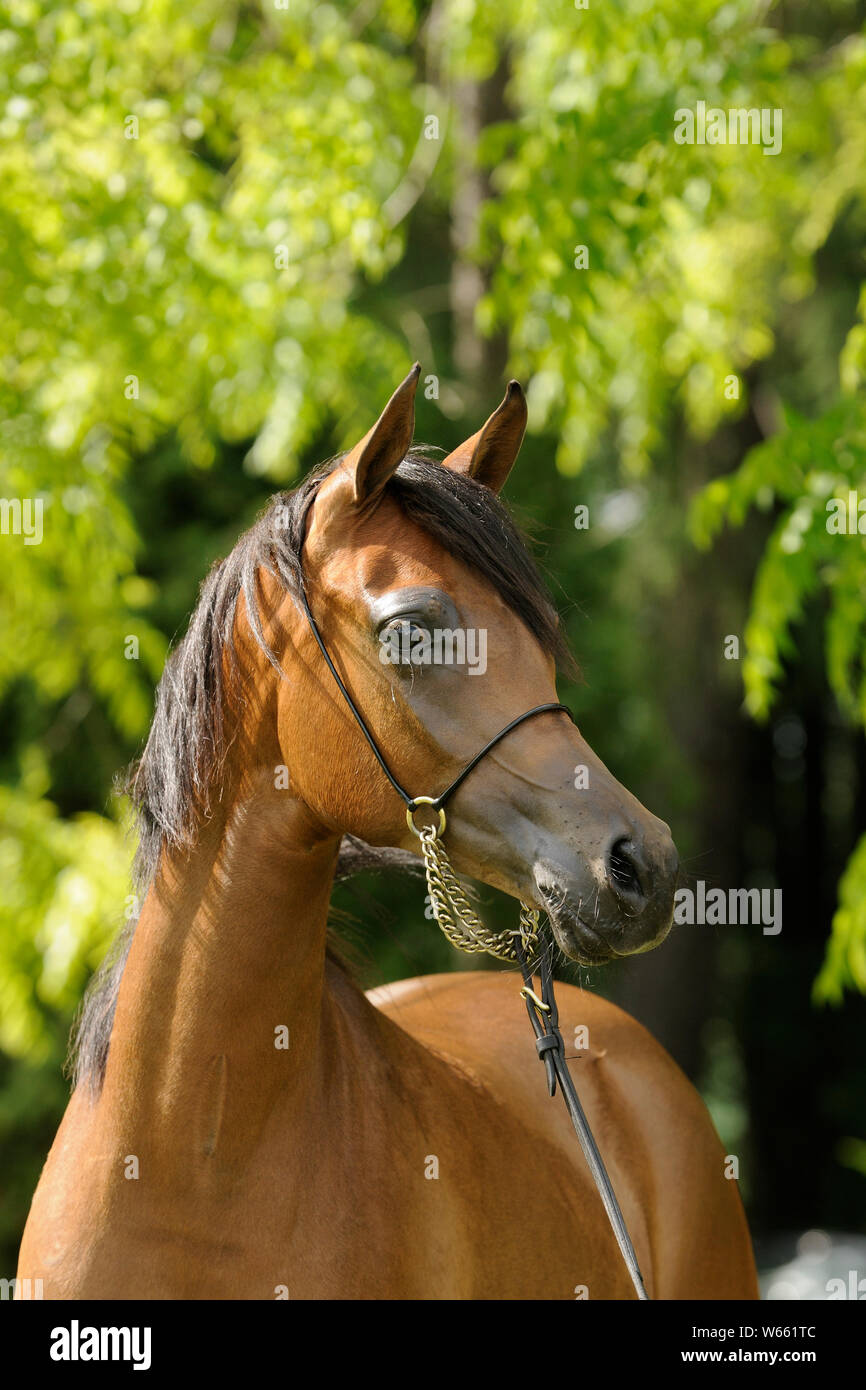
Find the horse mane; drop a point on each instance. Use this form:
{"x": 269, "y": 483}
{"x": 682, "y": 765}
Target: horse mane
{"x": 172, "y": 783}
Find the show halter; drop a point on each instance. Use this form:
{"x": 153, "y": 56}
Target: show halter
{"x": 464, "y": 930}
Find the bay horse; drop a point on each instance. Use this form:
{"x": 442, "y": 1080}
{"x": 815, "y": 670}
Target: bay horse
{"x": 245, "y": 1122}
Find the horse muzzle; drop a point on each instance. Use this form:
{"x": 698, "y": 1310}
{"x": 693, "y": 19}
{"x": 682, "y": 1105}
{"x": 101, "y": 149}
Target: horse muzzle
{"x": 619, "y": 902}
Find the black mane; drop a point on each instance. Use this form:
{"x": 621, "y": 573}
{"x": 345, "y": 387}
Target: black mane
{"x": 180, "y": 769}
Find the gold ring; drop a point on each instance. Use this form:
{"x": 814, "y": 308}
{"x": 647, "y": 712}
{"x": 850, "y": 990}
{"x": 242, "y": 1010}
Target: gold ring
{"x": 424, "y": 801}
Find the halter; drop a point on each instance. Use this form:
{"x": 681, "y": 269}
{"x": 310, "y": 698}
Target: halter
{"x": 464, "y": 930}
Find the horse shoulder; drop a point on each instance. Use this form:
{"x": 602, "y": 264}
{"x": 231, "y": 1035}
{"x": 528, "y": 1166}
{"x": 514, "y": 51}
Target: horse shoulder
{"x": 654, "y": 1130}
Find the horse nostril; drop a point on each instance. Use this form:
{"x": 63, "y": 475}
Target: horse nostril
{"x": 622, "y": 871}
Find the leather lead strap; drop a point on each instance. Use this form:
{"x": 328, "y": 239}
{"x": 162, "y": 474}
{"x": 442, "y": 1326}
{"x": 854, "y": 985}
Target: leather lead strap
{"x": 551, "y": 1050}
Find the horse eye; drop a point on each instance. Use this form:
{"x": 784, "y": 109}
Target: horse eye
{"x": 409, "y": 625}
{"x": 396, "y": 639}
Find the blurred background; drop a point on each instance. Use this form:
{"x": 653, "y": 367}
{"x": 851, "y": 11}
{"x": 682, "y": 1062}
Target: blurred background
{"x": 226, "y": 231}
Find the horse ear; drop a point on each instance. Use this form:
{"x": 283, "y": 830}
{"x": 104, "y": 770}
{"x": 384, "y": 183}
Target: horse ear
{"x": 383, "y": 448}
{"x": 489, "y": 454}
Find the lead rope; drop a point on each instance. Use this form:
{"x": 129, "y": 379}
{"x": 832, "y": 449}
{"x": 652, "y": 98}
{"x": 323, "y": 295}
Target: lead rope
{"x": 465, "y": 930}
{"x": 544, "y": 1017}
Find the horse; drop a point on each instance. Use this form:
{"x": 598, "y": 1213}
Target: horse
{"x": 245, "y": 1122}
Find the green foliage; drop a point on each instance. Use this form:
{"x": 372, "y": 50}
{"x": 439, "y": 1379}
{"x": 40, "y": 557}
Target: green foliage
{"x": 845, "y": 964}
{"x": 799, "y": 472}
{"x": 64, "y": 885}
{"x": 690, "y": 247}
{"x": 805, "y": 472}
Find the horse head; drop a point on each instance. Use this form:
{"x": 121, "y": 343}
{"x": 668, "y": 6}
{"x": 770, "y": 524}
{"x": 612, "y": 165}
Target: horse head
{"x": 440, "y": 628}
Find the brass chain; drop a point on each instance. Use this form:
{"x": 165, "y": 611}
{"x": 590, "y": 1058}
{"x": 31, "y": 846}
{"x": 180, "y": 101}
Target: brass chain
{"x": 454, "y": 913}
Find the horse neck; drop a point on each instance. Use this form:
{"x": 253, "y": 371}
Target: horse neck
{"x": 222, "y": 992}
